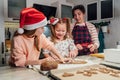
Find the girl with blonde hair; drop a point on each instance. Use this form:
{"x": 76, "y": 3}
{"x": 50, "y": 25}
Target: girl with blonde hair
{"x": 61, "y": 38}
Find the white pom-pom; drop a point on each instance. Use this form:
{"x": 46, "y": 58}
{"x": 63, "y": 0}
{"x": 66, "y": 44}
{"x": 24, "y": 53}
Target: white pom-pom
{"x": 20, "y": 30}
{"x": 48, "y": 22}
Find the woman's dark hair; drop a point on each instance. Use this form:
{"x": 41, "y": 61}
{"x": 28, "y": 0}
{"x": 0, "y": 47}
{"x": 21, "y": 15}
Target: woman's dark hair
{"x": 80, "y": 7}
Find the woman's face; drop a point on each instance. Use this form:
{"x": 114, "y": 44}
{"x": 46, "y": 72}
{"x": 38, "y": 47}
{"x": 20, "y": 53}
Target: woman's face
{"x": 78, "y": 16}
{"x": 39, "y": 31}
{"x": 60, "y": 31}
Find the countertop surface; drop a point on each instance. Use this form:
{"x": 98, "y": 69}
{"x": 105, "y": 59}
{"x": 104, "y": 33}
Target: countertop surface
{"x": 9, "y": 73}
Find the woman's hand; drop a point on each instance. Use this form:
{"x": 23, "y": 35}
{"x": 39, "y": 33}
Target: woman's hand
{"x": 92, "y": 47}
{"x": 79, "y": 47}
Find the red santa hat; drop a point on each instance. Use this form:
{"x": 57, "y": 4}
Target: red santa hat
{"x": 31, "y": 19}
{"x": 53, "y": 21}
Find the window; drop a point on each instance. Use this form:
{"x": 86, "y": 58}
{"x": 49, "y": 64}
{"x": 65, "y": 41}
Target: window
{"x": 106, "y": 9}
{"x": 49, "y": 11}
{"x": 92, "y": 11}
{"x": 66, "y": 11}
{"x": 14, "y": 8}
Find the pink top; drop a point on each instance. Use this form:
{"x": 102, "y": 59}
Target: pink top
{"x": 25, "y": 49}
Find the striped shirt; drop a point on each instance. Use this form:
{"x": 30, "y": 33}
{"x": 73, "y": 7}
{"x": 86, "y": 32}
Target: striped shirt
{"x": 93, "y": 32}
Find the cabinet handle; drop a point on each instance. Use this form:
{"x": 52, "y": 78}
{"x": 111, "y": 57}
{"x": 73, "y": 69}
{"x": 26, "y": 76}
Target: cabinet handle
{"x": 3, "y": 61}
{"x": 2, "y": 47}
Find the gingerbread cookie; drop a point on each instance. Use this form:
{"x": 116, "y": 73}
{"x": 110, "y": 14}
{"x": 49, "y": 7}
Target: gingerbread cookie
{"x": 66, "y": 74}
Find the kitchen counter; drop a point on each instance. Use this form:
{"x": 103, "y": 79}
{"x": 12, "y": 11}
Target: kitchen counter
{"x": 10, "y": 73}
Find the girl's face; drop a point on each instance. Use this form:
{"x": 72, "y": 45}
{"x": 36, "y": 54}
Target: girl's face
{"x": 39, "y": 31}
{"x": 60, "y": 31}
{"x": 78, "y": 16}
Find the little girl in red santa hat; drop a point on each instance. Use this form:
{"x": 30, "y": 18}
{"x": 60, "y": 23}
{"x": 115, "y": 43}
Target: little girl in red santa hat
{"x": 29, "y": 39}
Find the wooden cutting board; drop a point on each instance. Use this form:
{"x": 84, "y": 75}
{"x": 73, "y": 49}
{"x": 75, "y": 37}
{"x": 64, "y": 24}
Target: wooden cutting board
{"x": 98, "y": 76}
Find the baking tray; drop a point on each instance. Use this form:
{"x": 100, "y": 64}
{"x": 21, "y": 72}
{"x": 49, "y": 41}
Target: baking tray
{"x": 57, "y": 74}
{"x": 111, "y": 64}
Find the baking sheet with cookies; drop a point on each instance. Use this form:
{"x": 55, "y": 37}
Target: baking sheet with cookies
{"x": 93, "y": 72}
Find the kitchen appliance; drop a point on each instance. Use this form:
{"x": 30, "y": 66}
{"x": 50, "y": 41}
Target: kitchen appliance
{"x": 118, "y": 46}
{"x": 112, "y": 55}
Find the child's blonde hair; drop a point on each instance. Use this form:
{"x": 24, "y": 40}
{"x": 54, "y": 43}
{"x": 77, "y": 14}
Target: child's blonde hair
{"x": 61, "y": 21}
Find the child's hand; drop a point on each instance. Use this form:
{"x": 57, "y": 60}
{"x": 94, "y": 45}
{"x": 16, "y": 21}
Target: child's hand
{"x": 79, "y": 46}
{"x": 65, "y": 60}
{"x": 72, "y": 54}
{"x": 68, "y": 60}
{"x": 61, "y": 60}
{"x": 91, "y": 47}
{"x": 50, "y": 58}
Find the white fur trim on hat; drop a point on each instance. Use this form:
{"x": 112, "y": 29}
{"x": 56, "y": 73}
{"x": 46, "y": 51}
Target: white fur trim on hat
{"x": 20, "y": 30}
{"x": 55, "y": 21}
{"x": 48, "y": 22}
{"x": 36, "y": 25}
